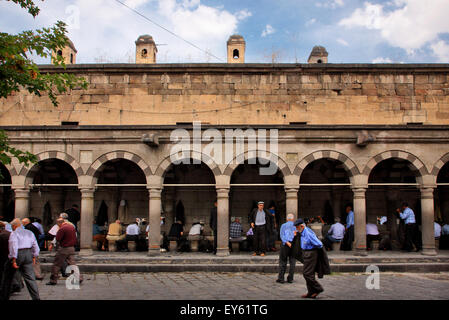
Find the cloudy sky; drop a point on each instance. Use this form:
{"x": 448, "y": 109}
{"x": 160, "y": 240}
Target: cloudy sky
{"x": 353, "y": 31}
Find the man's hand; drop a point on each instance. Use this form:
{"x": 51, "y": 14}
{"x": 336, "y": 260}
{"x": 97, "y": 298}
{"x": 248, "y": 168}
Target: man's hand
{"x": 14, "y": 264}
{"x": 398, "y": 210}
{"x": 34, "y": 260}
{"x": 252, "y": 224}
{"x": 288, "y": 244}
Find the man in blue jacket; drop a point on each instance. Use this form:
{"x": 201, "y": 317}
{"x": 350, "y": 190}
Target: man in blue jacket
{"x": 313, "y": 259}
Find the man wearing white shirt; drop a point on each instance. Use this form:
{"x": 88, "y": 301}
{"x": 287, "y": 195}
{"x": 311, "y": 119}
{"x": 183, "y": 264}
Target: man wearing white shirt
{"x": 23, "y": 251}
{"x": 437, "y": 228}
{"x": 132, "y": 234}
{"x": 372, "y": 233}
{"x": 336, "y": 233}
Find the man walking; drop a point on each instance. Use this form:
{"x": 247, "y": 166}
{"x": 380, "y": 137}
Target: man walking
{"x": 411, "y": 228}
{"x": 36, "y": 265}
{"x": 261, "y": 222}
{"x": 23, "y": 250}
{"x": 314, "y": 259}
{"x": 66, "y": 237}
{"x": 288, "y": 233}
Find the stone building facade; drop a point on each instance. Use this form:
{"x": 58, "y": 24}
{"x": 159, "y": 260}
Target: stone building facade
{"x": 370, "y": 135}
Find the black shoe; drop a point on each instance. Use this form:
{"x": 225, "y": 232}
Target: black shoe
{"x": 41, "y": 278}
{"x": 280, "y": 281}
{"x": 51, "y": 283}
{"x": 289, "y": 280}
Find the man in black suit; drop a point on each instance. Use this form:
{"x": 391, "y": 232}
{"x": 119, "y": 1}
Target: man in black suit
{"x": 260, "y": 220}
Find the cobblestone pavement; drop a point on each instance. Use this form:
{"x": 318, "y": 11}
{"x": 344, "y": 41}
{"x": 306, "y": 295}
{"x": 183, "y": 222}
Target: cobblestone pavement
{"x": 244, "y": 286}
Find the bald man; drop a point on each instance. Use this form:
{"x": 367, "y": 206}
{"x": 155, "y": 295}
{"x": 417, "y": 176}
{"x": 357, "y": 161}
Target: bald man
{"x": 23, "y": 251}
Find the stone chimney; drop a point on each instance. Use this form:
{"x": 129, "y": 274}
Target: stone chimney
{"x": 236, "y": 49}
{"x": 145, "y": 49}
{"x": 318, "y": 55}
{"x": 68, "y": 53}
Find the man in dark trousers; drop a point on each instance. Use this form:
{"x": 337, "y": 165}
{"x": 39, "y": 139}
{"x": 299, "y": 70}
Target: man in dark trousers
{"x": 66, "y": 237}
{"x": 213, "y": 224}
{"x": 288, "y": 233}
{"x": 23, "y": 251}
{"x": 314, "y": 259}
{"x": 260, "y": 222}
{"x": 411, "y": 228}
{"x": 4, "y": 237}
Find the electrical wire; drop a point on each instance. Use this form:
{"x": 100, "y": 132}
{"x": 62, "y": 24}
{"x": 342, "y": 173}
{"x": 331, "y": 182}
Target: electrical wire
{"x": 169, "y": 31}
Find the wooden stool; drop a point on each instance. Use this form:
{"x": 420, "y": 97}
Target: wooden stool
{"x": 132, "y": 246}
{"x": 112, "y": 246}
{"x": 336, "y": 246}
{"x": 235, "y": 245}
{"x": 437, "y": 244}
{"x": 173, "y": 246}
{"x": 194, "y": 245}
{"x": 94, "y": 245}
{"x": 375, "y": 245}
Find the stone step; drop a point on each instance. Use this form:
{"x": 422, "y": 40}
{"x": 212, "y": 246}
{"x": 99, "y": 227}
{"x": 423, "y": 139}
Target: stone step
{"x": 244, "y": 267}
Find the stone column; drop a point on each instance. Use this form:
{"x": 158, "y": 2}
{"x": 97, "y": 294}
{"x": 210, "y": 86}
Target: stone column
{"x": 427, "y": 221}
{"x": 154, "y": 241}
{"x": 22, "y": 202}
{"x": 291, "y": 196}
{"x": 87, "y": 216}
{"x": 222, "y": 222}
{"x": 360, "y": 221}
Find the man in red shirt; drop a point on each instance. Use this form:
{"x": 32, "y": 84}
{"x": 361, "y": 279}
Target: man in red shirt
{"x": 66, "y": 237}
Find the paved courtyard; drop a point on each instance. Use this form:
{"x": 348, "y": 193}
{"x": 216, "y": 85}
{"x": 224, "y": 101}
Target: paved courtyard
{"x": 245, "y": 286}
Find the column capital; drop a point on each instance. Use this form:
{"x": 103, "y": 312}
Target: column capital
{"x": 155, "y": 193}
{"x": 223, "y": 193}
{"x": 21, "y": 192}
{"x": 86, "y": 190}
{"x": 427, "y": 192}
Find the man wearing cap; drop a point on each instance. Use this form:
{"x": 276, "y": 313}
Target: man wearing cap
{"x": 260, "y": 221}
{"x": 314, "y": 259}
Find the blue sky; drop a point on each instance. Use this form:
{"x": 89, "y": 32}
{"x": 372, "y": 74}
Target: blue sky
{"x": 353, "y": 31}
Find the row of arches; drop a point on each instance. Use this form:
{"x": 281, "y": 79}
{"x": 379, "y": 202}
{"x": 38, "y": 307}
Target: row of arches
{"x": 325, "y": 181}
{"x": 93, "y": 172}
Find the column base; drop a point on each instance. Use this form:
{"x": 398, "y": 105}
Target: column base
{"x": 86, "y": 252}
{"x": 360, "y": 252}
{"x": 222, "y": 252}
{"x": 154, "y": 252}
{"x": 429, "y": 252}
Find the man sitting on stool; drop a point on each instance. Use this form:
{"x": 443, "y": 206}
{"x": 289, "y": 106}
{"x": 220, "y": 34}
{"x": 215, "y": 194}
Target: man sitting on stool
{"x": 335, "y": 234}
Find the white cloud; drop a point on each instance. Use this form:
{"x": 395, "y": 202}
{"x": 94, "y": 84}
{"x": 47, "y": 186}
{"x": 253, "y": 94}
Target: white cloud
{"x": 408, "y": 24}
{"x": 243, "y": 14}
{"x": 135, "y": 3}
{"x": 441, "y": 50}
{"x": 310, "y": 22}
{"x": 332, "y": 4}
{"x": 342, "y": 42}
{"x": 108, "y": 30}
{"x": 268, "y": 30}
{"x": 382, "y": 60}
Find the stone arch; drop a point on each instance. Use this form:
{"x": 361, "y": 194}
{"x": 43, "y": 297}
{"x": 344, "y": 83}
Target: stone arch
{"x": 439, "y": 164}
{"x": 28, "y": 173}
{"x": 415, "y": 164}
{"x": 208, "y": 161}
{"x": 348, "y": 163}
{"x": 241, "y": 158}
{"x": 93, "y": 171}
